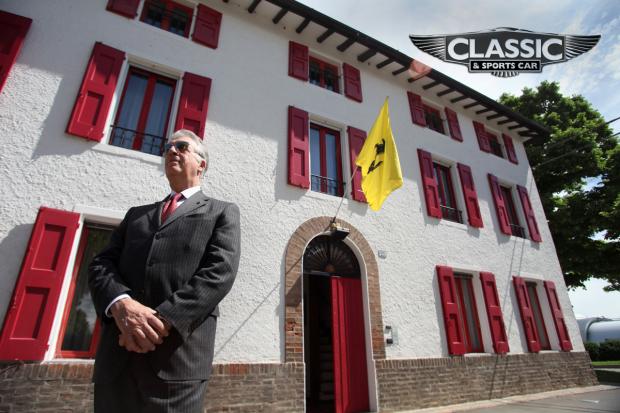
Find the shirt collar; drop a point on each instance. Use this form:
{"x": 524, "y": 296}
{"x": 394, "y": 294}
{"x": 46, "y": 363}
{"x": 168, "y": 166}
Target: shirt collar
{"x": 187, "y": 192}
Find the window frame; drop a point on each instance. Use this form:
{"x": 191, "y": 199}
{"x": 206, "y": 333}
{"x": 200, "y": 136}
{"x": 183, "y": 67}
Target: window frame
{"x": 511, "y": 211}
{"x": 459, "y": 278}
{"x": 323, "y": 154}
{"x": 432, "y": 111}
{"x": 447, "y": 169}
{"x": 152, "y": 79}
{"x": 169, "y": 6}
{"x": 537, "y": 312}
{"x": 323, "y": 65}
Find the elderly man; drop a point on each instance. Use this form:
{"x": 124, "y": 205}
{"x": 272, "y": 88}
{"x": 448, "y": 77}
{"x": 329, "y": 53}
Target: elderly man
{"x": 156, "y": 288}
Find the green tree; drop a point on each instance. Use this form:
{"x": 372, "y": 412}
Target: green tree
{"x": 581, "y": 150}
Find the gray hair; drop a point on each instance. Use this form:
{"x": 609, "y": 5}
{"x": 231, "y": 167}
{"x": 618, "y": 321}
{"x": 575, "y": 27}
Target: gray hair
{"x": 199, "y": 147}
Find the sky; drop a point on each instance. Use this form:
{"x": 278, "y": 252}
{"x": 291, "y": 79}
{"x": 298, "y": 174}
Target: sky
{"x": 594, "y": 75}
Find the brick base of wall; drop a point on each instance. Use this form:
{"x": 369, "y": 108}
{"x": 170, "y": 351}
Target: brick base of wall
{"x": 252, "y": 388}
{"x": 63, "y": 387}
{"x": 420, "y": 383}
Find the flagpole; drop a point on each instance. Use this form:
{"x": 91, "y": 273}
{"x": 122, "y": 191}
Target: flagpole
{"x": 344, "y": 193}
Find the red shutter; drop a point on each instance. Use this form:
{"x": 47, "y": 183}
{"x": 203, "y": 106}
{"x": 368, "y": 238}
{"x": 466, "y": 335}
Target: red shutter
{"x": 530, "y": 217}
{"x": 193, "y": 104}
{"x": 451, "y": 316}
{"x": 95, "y": 97}
{"x": 494, "y": 313}
{"x": 29, "y": 318}
{"x": 417, "y": 109}
{"x": 483, "y": 139}
{"x": 510, "y": 149}
{"x": 127, "y": 8}
{"x": 500, "y": 206}
{"x": 471, "y": 198}
{"x": 356, "y": 141}
{"x": 527, "y": 315}
{"x": 13, "y": 29}
{"x": 298, "y": 61}
{"x": 298, "y": 148}
{"x": 558, "y": 317}
{"x": 207, "y": 28}
{"x": 429, "y": 184}
{"x": 453, "y": 124}
{"x": 352, "y": 82}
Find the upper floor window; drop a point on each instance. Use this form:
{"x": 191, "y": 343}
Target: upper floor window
{"x": 496, "y": 147}
{"x": 445, "y": 189}
{"x": 325, "y": 160}
{"x": 144, "y": 112}
{"x": 433, "y": 119}
{"x": 468, "y": 313}
{"x": 513, "y": 218}
{"x": 168, "y": 15}
{"x": 323, "y": 74}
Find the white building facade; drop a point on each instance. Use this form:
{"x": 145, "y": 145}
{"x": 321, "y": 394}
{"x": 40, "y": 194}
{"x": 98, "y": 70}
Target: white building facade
{"x": 452, "y": 292}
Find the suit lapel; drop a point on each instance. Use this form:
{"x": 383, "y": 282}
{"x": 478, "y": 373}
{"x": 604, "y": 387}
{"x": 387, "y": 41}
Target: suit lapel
{"x": 195, "y": 201}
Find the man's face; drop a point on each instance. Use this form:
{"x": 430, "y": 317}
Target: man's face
{"x": 183, "y": 163}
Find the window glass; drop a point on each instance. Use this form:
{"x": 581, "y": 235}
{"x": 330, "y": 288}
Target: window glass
{"x": 167, "y": 15}
{"x": 331, "y": 79}
{"x": 315, "y": 159}
{"x": 331, "y": 163}
{"x": 496, "y": 147}
{"x": 538, "y": 317}
{"x": 79, "y": 337}
{"x": 445, "y": 190}
{"x": 157, "y": 120}
{"x": 469, "y": 312}
{"x": 323, "y": 74}
{"x": 433, "y": 119}
{"x": 315, "y": 73}
{"x": 515, "y": 226}
{"x": 129, "y": 114}
{"x": 325, "y": 161}
{"x": 179, "y": 19}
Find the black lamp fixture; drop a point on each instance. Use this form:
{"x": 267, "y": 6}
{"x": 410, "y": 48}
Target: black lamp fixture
{"x": 338, "y": 232}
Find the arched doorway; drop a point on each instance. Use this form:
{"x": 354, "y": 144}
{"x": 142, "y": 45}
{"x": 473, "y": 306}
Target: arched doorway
{"x": 334, "y": 329}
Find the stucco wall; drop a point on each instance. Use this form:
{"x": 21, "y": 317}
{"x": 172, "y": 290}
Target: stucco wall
{"x": 246, "y": 134}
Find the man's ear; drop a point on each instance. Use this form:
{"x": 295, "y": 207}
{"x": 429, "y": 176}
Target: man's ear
{"x": 203, "y": 165}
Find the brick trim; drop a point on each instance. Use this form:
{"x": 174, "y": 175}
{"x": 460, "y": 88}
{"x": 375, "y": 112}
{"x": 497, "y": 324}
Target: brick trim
{"x": 293, "y": 326}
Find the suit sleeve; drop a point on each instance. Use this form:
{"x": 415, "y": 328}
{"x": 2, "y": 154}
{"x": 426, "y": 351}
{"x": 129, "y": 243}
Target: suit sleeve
{"x": 104, "y": 280}
{"x": 189, "y": 306}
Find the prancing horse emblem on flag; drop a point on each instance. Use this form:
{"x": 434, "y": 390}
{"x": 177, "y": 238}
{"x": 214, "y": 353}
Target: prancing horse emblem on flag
{"x": 379, "y": 150}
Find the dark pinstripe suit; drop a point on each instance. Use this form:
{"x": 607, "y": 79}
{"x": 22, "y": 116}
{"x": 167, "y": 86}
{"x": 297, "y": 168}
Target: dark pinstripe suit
{"x": 182, "y": 268}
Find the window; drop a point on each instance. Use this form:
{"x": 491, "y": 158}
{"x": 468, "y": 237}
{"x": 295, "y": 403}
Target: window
{"x": 433, "y": 119}
{"x": 325, "y": 160}
{"x": 539, "y": 322}
{"x": 513, "y": 219}
{"x": 144, "y": 112}
{"x": 323, "y": 74}
{"x": 168, "y": 15}
{"x": 80, "y": 328}
{"x": 447, "y": 200}
{"x": 496, "y": 147}
{"x": 468, "y": 313}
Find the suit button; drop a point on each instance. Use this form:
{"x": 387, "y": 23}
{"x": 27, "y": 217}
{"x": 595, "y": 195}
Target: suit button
{"x": 151, "y": 262}
{"x": 157, "y": 236}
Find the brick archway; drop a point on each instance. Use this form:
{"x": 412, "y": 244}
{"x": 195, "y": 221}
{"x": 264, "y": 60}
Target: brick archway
{"x": 293, "y": 327}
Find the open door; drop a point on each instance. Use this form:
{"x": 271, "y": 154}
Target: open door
{"x": 349, "y": 346}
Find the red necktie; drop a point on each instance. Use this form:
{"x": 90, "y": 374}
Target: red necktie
{"x": 169, "y": 207}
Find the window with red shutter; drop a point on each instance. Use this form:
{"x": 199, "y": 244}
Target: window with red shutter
{"x": 142, "y": 119}
{"x": 530, "y": 216}
{"x": 95, "y": 96}
{"x": 168, "y": 15}
{"x": 417, "y": 109}
{"x": 298, "y": 148}
{"x": 429, "y": 184}
{"x": 298, "y": 61}
{"x": 468, "y": 313}
{"x": 494, "y": 313}
{"x": 445, "y": 190}
{"x": 481, "y": 135}
{"x": 325, "y": 160}
{"x": 471, "y": 197}
{"x": 500, "y": 206}
{"x": 510, "y": 149}
{"x": 527, "y": 314}
{"x": 79, "y": 332}
{"x": 357, "y": 137}
{"x": 558, "y": 316}
{"x": 539, "y": 321}
{"x": 453, "y": 125}
{"x": 127, "y": 8}
{"x": 451, "y": 315}
{"x": 193, "y": 104}
{"x": 513, "y": 219}
{"x": 30, "y": 315}
{"x": 323, "y": 74}
{"x": 433, "y": 119}
{"x": 13, "y": 29}
{"x": 352, "y": 82}
{"x": 207, "y": 27}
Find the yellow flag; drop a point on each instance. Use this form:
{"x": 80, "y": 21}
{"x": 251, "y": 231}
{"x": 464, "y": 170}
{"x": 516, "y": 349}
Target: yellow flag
{"x": 378, "y": 161}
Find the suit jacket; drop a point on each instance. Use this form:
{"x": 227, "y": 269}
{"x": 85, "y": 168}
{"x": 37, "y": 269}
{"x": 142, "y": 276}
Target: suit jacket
{"x": 181, "y": 268}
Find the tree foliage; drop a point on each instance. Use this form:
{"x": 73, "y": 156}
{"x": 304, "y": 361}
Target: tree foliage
{"x": 580, "y": 151}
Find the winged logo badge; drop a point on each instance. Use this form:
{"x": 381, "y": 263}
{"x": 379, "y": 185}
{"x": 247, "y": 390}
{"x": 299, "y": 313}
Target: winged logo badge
{"x": 505, "y": 51}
